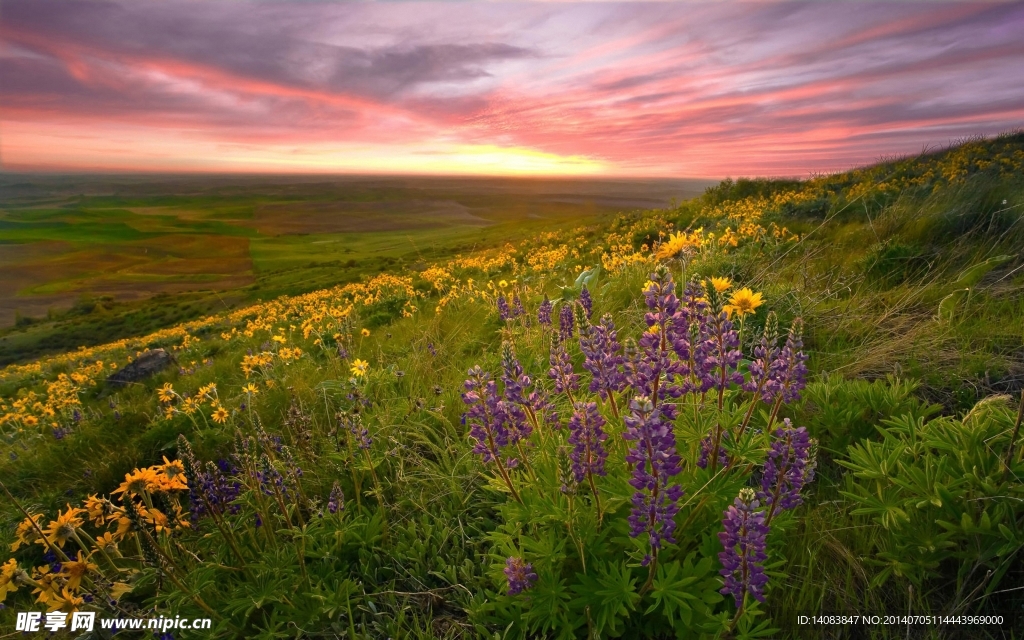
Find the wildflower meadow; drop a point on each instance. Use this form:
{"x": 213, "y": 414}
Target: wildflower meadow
{"x": 780, "y": 399}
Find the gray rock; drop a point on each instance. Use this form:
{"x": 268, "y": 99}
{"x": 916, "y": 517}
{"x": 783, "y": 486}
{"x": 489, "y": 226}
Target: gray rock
{"x": 148, "y": 364}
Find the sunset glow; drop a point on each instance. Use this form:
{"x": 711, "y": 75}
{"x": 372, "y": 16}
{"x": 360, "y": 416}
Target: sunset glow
{"x": 702, "y": 90}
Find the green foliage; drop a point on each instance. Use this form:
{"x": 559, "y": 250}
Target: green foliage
{"x": 943, "y": 491}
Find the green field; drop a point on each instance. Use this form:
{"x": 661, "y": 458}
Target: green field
{"x": 110, "y": 244}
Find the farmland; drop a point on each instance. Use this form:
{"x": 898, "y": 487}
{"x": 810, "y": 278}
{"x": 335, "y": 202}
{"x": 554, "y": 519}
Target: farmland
{"x": 107, "y": 243}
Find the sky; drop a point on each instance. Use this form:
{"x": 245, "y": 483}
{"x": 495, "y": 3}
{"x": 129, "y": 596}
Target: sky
{"x": 633, "y": 89}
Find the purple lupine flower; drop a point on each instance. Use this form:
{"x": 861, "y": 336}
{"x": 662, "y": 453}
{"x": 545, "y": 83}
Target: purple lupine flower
{"x": 705, "y": 451}
{"x": 565, "y": 322}
{"x": 336, "y": 501}
{"x": 764, "y": 354}
{"x": 354, "y": 424}
{"x": 723, "y": 340}
{"x": 484, "y": 416}
{"x": 586, "y": 301}
{"x": 521, "y": 396}
{"x": 544, "y": 312}
{"x": 517, "y": 306}
{"x": 561, "y": 371}
{"x": 654, "y": 371}
{"x": 586, "y": 436}
{"x": 503, "y": 311}
{"x": 786, "y": 468}
{"x": 215, "y": 486}
{"x": 744, "y": 540}
{"x": 788, "y": 370}
{"x": 654, "y": 459}
{"x": 604, "y": 358}
{"x": 520, "y": 574}
{"x": 689, "y": 335}
{"x": 432, "y": 349}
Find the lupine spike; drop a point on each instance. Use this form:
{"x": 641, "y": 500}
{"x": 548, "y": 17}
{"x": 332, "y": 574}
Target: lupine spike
{"x": 484, "y": 415}
{"x": 655, "y": 461}
{"x": 503, "y": 311}
{"x": 544, "y": 312}
{"x": 744, "y": 540}
{"x": 581, "y": 319}
{"x": 561, "y": 371}
{"x": 565, "y": 322}
{"x": 585, "y": 434}
{"x": 336, "y": 501}
{"x": 785, "y": 469}
{"x": 604, "y": 359}
{"x": 586, "y": 301}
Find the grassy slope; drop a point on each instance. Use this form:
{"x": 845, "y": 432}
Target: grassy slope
{"x": 880, "y": 251}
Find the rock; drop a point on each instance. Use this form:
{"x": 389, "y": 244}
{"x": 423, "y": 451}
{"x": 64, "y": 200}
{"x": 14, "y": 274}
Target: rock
{"x": 146, "y": 365}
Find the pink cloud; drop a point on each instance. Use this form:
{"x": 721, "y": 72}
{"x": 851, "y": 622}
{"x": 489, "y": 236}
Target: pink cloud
{"x": 632, "y": 89}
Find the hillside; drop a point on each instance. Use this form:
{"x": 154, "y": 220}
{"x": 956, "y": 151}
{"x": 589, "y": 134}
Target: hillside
{"x": 780, "y": 398}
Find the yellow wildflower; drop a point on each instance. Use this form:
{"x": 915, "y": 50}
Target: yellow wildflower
{"x": 73, "y": 570}
{"x": 220, "y": 415}
{"x": 59, "y": 531}
{"x": 138, "y": 482}
{"x": 26, "y": 531}
{"x": 166, "y": 392}
{"x": 8, "y": 571}
{"x": 743, "y": 302}
{"x": 366, "y": 333}
{"x": 359, "y": 367}
{"x": 721, "y": 285}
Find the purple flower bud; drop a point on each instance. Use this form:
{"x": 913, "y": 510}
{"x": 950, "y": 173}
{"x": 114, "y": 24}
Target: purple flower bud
{"x": 705, "y": 451}
{"x": 788, "y": 371}
{"x": 520, "y": 574}
{"x": 503, "y": 311}
{"x": 561, "y": 371}
{"x": 653, "y": 371}
{"x": 588, "y": 454}
{"x": 586, "y": 301}
{"x": 786, "y": 469}
{"x": 744, "y": 540}
{"x": 565, "y": 322}
{"x": 521, "y": 396}
{"x": 544, "y": 312}
{"x": 517, "y": 307}
{"x": 484, "y": 415}
{"x": 336, "y": 501}
{"x": 604, "y": 358}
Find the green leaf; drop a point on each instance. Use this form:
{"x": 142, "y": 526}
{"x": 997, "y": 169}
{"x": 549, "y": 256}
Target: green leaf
{"x": 974, "y": 273}
{"x": 951, "y": 303}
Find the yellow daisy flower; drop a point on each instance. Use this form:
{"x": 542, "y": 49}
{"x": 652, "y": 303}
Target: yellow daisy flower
{"x": 360, "y": 367}
{"x": 721, "y": 285}
{"x": 743, "y": 302}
